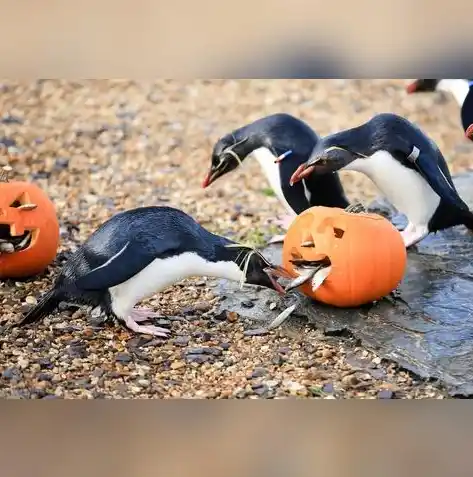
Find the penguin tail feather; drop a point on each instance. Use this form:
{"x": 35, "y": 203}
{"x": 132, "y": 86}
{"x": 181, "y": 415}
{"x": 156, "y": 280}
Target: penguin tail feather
{"x": 47, "y": 304}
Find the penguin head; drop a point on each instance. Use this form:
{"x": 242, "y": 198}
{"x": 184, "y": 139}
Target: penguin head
{"x": 257, "y": 269}
{"x": 228, "y": 153}
{"x": 422, "y": 86}
{"x": 324, "y": 160}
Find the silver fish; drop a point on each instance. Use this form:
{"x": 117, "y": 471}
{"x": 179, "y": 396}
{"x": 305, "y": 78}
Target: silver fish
{"x": 319, "y": 277}
{"x": 282, "y": 317}
{"x": 305, "y": 274}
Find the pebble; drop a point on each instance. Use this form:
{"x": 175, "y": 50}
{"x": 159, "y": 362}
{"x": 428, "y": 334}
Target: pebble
{"x": 232, "y": 316}
{"x": 177, "y": 365}
{"x": 256, "y": 332}
{"x": 23, "y": 363}
{"x": 181, "y": 340}
{"x": 247, "y": 304}
{"x": 328, "y": 388}
{"x": 259, "y": 372}
{"x": 31, "y": 300}
{"x": 272, "y": 306}
{"x": 123, "y": 358}
{"x": 385, "y": 394}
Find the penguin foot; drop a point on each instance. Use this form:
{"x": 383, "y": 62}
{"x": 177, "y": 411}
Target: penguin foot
{"x": 277, "y": 239}
{"x": 145, "y": 329}
{"x": 413, "y": 234}
{"x": 142, "y": 314}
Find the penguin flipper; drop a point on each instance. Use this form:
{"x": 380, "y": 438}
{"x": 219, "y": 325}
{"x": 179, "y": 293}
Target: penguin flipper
{"x": 125, "y": 264}
{"x": 438, "y": 180}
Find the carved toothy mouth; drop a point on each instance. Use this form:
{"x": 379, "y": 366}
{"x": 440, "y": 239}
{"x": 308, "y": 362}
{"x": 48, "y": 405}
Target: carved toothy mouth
{"x": 10, "y": 244}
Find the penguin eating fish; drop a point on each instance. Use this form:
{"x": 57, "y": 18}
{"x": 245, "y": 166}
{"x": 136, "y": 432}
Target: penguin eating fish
{"x": 140, "y": 252}
{"x": 280, "y": 143}
{"x": 404, "y": 164}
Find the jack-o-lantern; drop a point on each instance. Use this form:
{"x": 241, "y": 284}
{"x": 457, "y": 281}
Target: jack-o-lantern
{"x": 29, "y": 230}
{"x": 363, "y": 253}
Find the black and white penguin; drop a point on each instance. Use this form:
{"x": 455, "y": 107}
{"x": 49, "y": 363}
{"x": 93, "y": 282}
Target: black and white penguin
{"x": 462, "y": 91}
{"x": 280, "y": 143}
{"x": 404, "y": 164}
{"x": 140, "y": 252}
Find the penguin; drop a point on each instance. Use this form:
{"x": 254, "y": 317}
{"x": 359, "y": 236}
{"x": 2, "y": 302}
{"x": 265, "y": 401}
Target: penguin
{"x": 462, "y": 91}
{"x": 404, "y": 164}
{"x": 280, "y": 143}
{"x": 142, "y": 251}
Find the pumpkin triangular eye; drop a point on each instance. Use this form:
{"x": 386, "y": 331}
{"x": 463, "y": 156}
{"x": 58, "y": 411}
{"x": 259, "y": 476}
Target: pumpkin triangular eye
{"x": 22, "y": 203}
{"x": 339, "y": 233}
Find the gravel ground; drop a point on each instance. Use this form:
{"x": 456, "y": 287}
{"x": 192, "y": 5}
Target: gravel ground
{"x": 102, "y": 146}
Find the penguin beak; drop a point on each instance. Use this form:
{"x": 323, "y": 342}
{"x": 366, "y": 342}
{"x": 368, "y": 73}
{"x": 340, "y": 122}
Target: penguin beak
{"x": 277, "y": 271}
{"x": 469, "y": 132}
{"x": 211, "y": 176}
{"x": 412, "y": 88}
{"x": 303, "y": 171}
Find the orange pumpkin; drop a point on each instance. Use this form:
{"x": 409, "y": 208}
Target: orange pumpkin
{"x": 28, "y": 221}
{"x": 367, "y": 254}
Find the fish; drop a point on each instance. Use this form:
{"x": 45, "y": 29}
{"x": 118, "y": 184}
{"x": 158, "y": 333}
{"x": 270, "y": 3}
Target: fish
{"x": 282, "y": 317}
{"x": 319, "y": 277}
{"x": 305, "y": 275}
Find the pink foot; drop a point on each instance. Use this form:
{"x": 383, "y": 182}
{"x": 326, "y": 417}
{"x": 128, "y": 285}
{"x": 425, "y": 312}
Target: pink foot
{"x": 142, "y": 314}
{"x": 146, "y": 330}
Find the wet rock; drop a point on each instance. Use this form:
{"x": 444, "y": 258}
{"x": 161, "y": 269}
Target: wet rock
{"x": 247, "y": 304}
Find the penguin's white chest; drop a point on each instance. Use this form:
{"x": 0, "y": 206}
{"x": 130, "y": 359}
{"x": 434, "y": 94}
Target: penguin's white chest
{"x": 406, "y": 189}
{"x": 162, "y": 273}
{"x": 271, "y": 170}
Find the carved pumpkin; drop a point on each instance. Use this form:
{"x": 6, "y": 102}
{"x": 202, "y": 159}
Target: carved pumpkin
{"x": 366, "y": 252}
{"x": 29, "y": 230}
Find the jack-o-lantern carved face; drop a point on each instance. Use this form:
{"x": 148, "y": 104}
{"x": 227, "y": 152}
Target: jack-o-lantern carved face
{"x": 29, "y": 230}
{"x": 365, "y": 252}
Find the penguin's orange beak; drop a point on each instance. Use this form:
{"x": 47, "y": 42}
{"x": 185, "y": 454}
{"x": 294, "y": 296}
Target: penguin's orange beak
{"x": 412, "y": 88}
{"x": 469, "y": 132}
{"x": 277, "y": 271}
{"x": 300, "y": 173}
{"x": 207, "y": 180}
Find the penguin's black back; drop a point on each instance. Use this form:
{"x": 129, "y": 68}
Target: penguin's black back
{"x": 156, "y": 227}
{"x": 282, "y": 132}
